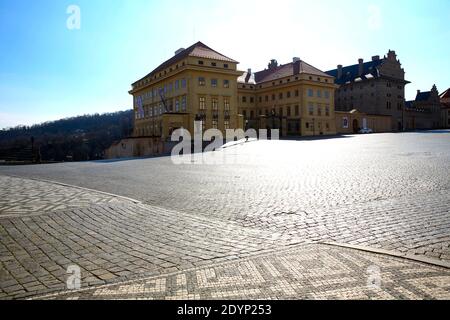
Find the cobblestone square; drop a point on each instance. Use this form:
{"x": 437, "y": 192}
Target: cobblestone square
{"x": 290, "y": 219}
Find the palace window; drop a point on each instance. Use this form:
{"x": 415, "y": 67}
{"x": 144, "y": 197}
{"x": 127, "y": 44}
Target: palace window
{"x": 273, "y": 96}
{"x": 260, "y": 99}
{"x": 215, "y": 124}
{"x": 202, "y": 121}
{"x": 226, "y": 83}
{"x": 310, "y": 93}
{"x": 201, "y": 81}
{"x": 288, "y": 94}
{"x": 177, "y": 84}
{"x": 280, "y": 95}
{"x": 311, "y": 109}
{"x": 296, "y": 93}
{"x": 202, "y": 103}
{"x": 327, "y": 94}
{"x": 251, "y": 100}
{"x": 226, "y": 104}
{"x": 345, "y": 123}
{"x": 244, "y": 99}
{"x": 319, "y": 93}
{"x": 388, "y": 105}
{"x": 226, "y": 124}
{"x": 327, "y": 111}
{"x": 319, "y": 111}
{"x": 296, "y": 110}
{"x": 183, "y": 103}
{"x": 214, "y": 83}
{"x": 214, "y": 103}
{"x": 266, "y": 98}
{"x": 183, "y": 83}
{"x": 288, "y": 111}
{"x": 177, "y": 105}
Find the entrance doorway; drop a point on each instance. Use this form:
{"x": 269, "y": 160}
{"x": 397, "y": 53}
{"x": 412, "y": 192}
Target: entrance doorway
{"x": 355, "y": 126}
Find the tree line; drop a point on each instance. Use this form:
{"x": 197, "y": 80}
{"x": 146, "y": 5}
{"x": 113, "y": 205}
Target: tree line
{"x": 78, "y": 138}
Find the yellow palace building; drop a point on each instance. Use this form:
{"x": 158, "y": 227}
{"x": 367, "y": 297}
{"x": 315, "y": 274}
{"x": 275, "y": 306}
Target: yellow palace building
{"x": 296, "y": 98}
{"x": 197, "y": 83}
{"x": 201, "y": 84}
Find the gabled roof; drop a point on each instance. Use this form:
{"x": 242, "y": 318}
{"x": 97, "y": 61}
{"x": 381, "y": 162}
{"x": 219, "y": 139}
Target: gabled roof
{"x": 351, "y": 73}
{"x": 445, "y": 94}
{"x": 409, "y": 104}
{"x": 281, "y": 71}
{"x": 198, "y": 49}
{"x": 423, "y": 96}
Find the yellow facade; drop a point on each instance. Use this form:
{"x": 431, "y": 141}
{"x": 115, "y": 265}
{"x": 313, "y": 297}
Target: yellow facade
{"x": 193, "y": 88}
{"x": 298, "y": 104}
{"x": 352, "y": 121}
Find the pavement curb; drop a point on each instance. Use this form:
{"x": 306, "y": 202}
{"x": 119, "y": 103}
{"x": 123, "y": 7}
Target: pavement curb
{"x": 417, "y": 258}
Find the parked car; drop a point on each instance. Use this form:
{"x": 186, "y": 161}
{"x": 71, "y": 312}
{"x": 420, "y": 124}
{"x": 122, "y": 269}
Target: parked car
{"x": 365, "y": 130}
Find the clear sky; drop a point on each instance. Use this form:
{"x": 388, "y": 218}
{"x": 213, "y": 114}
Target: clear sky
{"x": 48, "y": 71}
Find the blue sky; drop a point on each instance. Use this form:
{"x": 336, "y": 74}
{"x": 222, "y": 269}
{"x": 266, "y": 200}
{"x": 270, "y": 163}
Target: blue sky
{"x": 48, "y": 71}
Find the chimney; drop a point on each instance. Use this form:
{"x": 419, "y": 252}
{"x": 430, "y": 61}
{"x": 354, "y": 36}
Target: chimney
{"x": 339, "y": 71}
{"x": 296, "y": 66}
{"x": 360, "y": 67}
{"x": 179, "y": 50}
{"x": 249, "y": 71}
{"x": 295, "y": 59}
{"x": 418, "y": 92}
{"x": 375, "y": 58}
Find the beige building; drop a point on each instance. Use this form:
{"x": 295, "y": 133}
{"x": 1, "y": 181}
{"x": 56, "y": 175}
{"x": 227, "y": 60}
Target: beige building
{"x": 444, "y": 98}
{"x": 196, "y": 84}
{"x": 351, "y": 122}
{"x": 374, "y": 87}
{"x": 295, "y": 97}
{"x": 424, "y": 112}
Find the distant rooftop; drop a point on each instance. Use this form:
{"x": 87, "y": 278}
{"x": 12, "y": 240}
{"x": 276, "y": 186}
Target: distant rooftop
{"x": 275, "y": 71}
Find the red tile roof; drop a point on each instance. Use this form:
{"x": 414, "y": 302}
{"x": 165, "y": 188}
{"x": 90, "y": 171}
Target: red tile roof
{"x": 286, "y": 70}
{"x": 445, "y": 94}
{"x": 198, "y": 49}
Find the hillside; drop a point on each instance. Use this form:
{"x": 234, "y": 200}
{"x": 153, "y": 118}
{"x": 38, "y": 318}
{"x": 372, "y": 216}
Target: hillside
{"x": 72, "y": 139}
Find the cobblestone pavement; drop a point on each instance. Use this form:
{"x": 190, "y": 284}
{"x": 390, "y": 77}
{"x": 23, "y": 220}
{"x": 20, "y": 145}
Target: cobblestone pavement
{"x": 22, "y": 197}
{"x": 112, "y": 242}
{"x": 387, "y": 191}
{"x": 302, "y": 272}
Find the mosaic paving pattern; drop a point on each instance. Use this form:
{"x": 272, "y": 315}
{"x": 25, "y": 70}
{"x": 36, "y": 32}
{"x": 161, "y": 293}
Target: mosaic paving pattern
{"x": 304, "y": 272}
